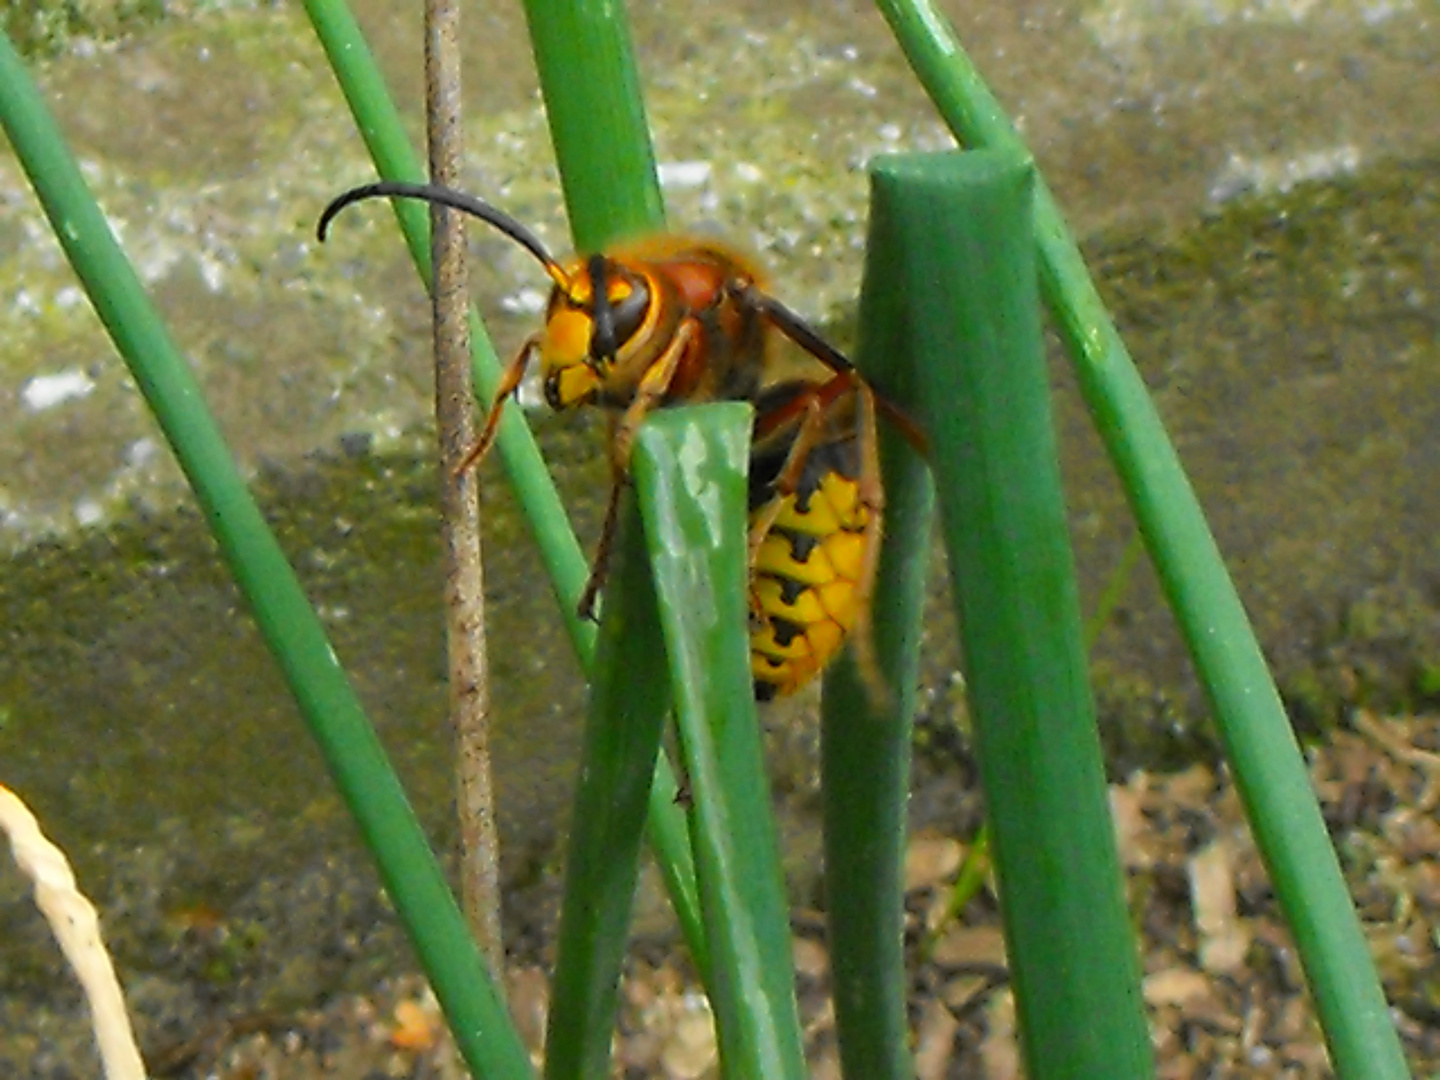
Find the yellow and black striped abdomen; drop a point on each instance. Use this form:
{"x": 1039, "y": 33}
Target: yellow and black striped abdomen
{"x": 805, "y": 593}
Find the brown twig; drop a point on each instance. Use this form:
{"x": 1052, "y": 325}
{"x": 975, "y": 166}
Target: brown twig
{"x": 460, "y": 511}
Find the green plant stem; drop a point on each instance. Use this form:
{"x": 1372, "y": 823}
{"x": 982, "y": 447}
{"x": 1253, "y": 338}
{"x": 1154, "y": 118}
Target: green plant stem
{"x": 290, "y": 627}
{"x": 865, "y": 742}
{"x": 592, "y": 95}
{"x": 1114, "y": 591}
{"x": 629, "y": 699}
{"x": 602, "y": 143}
{"x": 951, "y": 234}
{"x": 1269, "y": 767}
{"x": 974, "y": 870}
{"x": 690, "y": 479}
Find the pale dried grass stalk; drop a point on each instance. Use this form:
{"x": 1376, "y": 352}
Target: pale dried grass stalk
{"x": 76, "y": 927}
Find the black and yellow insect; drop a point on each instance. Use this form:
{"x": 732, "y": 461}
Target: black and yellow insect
{"x": 814, "y": 531}
{"x": 683, "y": 319}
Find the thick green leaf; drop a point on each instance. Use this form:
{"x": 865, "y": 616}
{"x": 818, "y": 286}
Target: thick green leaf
{"x": 865, "y": 743}
{"x": 629, "y": 699}
{"x": 690, "y": 475}
{"x": 954, "y": 233}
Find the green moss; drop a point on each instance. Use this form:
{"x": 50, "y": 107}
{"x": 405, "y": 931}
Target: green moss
{"x": 1427, "y": 681}
{"x": 1314, "y": 702}
{"x": 46, "y": 27}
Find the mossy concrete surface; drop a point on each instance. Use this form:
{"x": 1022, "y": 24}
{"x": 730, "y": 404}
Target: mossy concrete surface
{"x": 1292, "y": 344}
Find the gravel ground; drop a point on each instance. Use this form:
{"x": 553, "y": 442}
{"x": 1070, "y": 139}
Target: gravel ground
{"x": 1223, "y": 986}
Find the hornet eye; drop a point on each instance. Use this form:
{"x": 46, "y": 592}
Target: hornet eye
{"x": 616, "y": 320}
